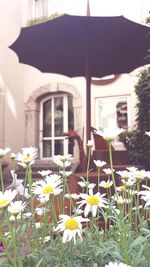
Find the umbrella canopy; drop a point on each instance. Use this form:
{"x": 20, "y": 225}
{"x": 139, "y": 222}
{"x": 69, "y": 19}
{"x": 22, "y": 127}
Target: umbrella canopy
{"x": 84, "y": 46}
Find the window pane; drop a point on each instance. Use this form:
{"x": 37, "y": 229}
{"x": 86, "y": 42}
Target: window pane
{"x": 112, "y": 113}
{"x": 59, "y": 147}
{"x": 58, "y": 116}
{"x": 47, "y": 148}
{"x": 70, "y": 113}
{"x": 47, "y": 119}
{"x": 122, "y": 119}
{"x": 107, "y": 114}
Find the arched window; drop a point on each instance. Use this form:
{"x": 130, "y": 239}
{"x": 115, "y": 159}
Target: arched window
{"x": 56, "y": 117}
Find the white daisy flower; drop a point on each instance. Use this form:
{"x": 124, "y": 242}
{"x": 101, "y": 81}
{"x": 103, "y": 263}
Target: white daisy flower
{"x": 82, "y": 184}
{"x": 99, "y": 163}
{"x": 63, "y": 164}
{"x": 47, "y": 187}
{"x": 124, "y": 174}
{"x": 92, "y": 202}
{"x": 91, "y": 185}
{"x": 121, "y": 188}
{"x": 18, "y": 185}
{"x": 66, "y": 173}
{"x": 108, "y": 171}
{"x": 77, "y": 211}
{"x": 129, "y": 183}
{"x": 7, "y": 234}
{"x": 7, "y": 197}
{"x": 53, "y": 177}
{"x": 147, "y": 133}
{"x": 27, "y": 215}
{"x": 27, "y": 156}
{"x": 109, "y": 134}
{"x": 16, "y": 207}
{"x": 46, "y": 239}
{"x": 43, "y": 199}
{"x": 70, "y": 226}
{"x": 73, "y": 196}
{"x": 62, "y": 158}
{"x": 40, "y": 211}
{"x": 132, "y": 169}
{"x": 105, "y": 184}
{"x": 90, "y": 143}
{"x": 38, "y": 225}
{"x": 44, "y": 173}
{"x": 140, "y": 175}
{"x": 13, "y": 218}
{"x": 3, "y": 152}
{"x": 145, "y": 195}
{"x": 12, "y": 155}
{"x": 121, "y": 200}
{"x": 116, "y": 264}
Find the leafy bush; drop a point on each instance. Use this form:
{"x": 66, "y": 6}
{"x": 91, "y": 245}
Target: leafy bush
{"x": 130, "y": 140}
{"x": 142, "y": 90}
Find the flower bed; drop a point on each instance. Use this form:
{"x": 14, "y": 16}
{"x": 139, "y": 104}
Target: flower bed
{"x": 43, "y": 224}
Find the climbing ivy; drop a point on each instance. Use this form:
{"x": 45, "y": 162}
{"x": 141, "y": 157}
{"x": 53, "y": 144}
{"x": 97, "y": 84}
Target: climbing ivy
{"x": 142, "y": 90}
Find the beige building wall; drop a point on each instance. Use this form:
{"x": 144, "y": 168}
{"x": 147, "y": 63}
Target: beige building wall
{"x": 19, "y": 83}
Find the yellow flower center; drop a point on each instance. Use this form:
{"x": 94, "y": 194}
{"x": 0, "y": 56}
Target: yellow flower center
{"x": 4, "y": 203}
{"x": 138, "y": 175}
{"x": 48, "y": 189}
{"x": 123, "y": 188}
{"x": 71, "y": 224}
{"x": 92, "y": 200}
{"x": 27, "y": 159}
{"x": 106, "y": 185}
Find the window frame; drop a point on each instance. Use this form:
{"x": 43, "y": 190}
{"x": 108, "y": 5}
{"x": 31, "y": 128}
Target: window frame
{"x": 65, "y": 124}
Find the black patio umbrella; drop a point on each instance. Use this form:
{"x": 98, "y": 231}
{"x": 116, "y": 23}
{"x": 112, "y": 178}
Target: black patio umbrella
{"x": 84, "y": 46}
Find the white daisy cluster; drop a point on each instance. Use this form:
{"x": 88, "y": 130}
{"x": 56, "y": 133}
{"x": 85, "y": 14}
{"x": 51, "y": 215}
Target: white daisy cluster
{"x": 62, "y": 161}
{"x": 27, "y": 157}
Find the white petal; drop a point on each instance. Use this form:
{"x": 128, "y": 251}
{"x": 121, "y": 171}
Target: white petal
{"x": 87, "y": 210}
{"x": 94, "y": 210}
{"x": 65, "y": 236}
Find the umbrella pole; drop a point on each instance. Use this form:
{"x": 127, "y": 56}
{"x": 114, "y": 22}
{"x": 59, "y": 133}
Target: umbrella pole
{"x": 88, "y": 107}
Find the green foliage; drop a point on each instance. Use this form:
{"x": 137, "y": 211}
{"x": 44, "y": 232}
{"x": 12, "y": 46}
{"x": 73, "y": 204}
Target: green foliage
{"x": 43, "y": 19}
{"x": 142, "y": 90}
{"x": 130, "y": 140}
{"x": 136, "y": 141}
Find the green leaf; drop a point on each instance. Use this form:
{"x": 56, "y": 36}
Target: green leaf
{"x": 137, "y": 242}
{"x": 39, "y": 263}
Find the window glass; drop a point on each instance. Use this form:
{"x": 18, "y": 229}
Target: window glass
{"x": 47, "y": 118}
{"x": 112, "y": 112}
{"x": 56, "y": 118}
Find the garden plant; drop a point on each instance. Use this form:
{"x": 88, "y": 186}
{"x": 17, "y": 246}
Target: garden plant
{"x": 44, "y": 223}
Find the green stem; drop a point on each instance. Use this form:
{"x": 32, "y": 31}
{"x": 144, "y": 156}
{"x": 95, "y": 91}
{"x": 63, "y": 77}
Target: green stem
{"x": 111, "y": 167}
{"x": 98, "y": 179}
{"x": 1, "y": 174}
{"x": 88, "y": 167}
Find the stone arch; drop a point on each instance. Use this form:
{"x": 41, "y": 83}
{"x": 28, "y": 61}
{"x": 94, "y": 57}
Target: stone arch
{"x": 32, "y": 109}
